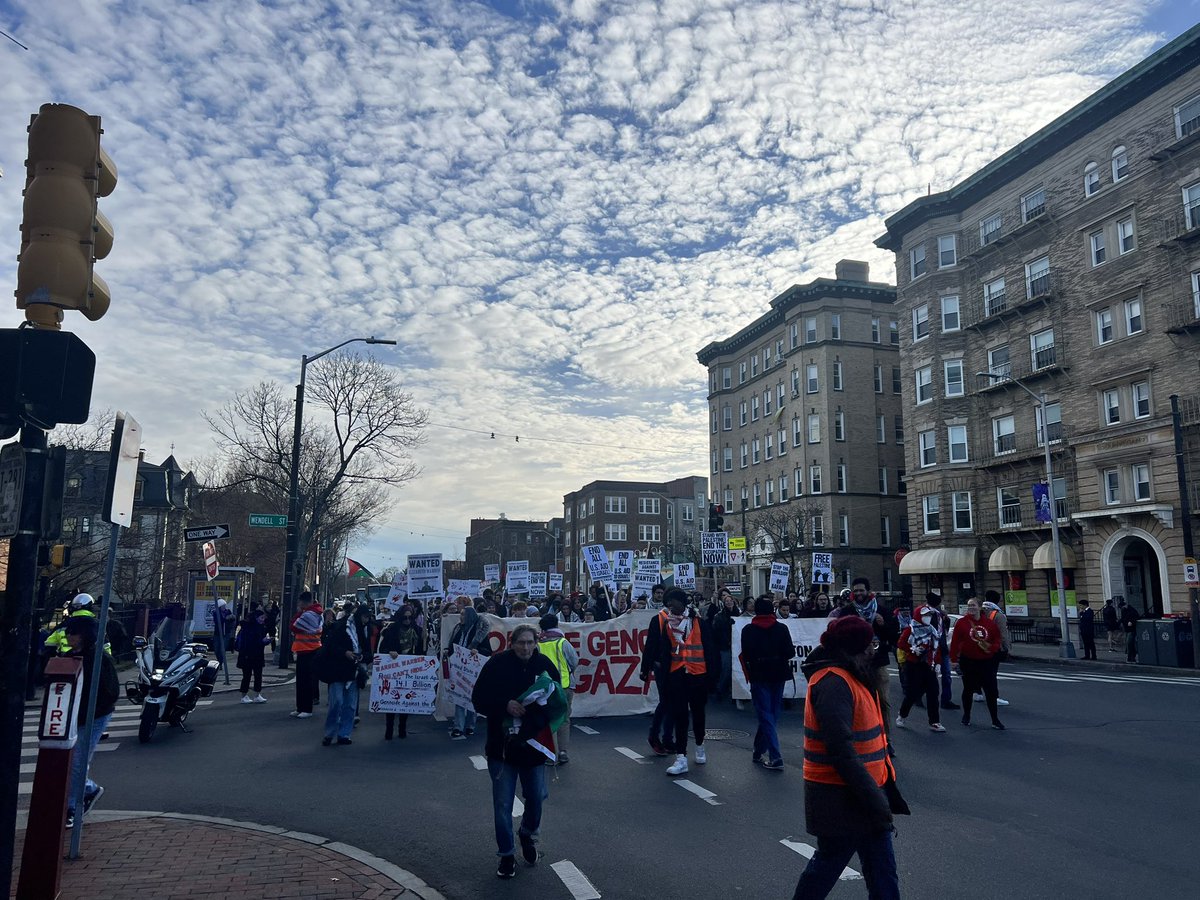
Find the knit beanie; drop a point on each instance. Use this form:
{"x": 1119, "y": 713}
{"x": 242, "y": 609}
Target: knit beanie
{"x": 849, "y": 634}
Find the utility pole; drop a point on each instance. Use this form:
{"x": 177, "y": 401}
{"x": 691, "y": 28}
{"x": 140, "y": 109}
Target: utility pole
{"x": 1185, "y": 512}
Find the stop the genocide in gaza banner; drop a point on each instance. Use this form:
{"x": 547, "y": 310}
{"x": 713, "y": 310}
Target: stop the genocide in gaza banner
{"x": 610, "y": 656}
{"x": 806, "y": 636}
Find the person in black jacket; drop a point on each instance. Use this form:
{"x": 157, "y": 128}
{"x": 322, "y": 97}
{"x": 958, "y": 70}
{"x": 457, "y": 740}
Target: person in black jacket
{"x": 337, "y": 666}
{"x": 1087, "y": 629}
{"x": 1129, "y": 620}
{"x": 81, "y": 639}
{"x": 503, "y": 679}
{"x": 400, "y": 637}
{"x": 652, "y": 663}
{"x": 250, "y": 644}
{"x": 725, "y": 611}
{"x": 767, "y": 652}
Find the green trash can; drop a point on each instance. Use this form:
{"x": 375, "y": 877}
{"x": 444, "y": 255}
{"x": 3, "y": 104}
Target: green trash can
{"x": 1147, "y": 642}
{"x": 1175, "y": 643}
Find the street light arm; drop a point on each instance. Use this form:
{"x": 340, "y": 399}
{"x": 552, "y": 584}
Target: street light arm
{"x": 370, "y": 340}
{"x": 1000, "y": 376}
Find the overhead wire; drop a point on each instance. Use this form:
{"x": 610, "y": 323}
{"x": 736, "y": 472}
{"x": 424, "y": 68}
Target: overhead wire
{"x": 548, "y": 440}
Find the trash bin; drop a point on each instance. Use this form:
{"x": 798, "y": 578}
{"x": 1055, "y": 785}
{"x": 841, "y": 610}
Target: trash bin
{"x": 1147, "y": 642}
{"x": 1174, "y": 643}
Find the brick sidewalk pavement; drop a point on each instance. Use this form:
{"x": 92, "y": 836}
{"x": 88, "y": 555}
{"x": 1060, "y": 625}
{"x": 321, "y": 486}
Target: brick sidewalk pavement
{"x": 169, "y": 857}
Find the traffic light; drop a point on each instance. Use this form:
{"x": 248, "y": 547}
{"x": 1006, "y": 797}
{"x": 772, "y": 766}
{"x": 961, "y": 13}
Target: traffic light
{"x": 60, "y": 556}
{"x": 716, "y": 517}
{"x": 62, "y": 231}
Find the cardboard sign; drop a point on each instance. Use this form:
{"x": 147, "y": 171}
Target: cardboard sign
{"x": 465, "y": 587}
{"x": 822, "y": 568}
{"x": 516, "y": 577}
{"x": 537, "y": 585}
{"x": 780, "y": 572}
{"x": 645, "y": 578}
{"x": 425, "y": 576}
{"x": 406, "y": 684}
{"x": 597, "y": 563}
{"x": 685, "y": 576}
{"x": 491, "y": 573}
{"x": 463, "y": 670}
{"x": 555, "y": 582}
{"x": 623, "y": 566}
{"x": 397, "y": 594}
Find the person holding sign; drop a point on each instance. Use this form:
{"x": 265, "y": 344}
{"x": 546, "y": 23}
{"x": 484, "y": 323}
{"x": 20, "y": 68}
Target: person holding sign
{"x": 400, "y": 637}
{"x": 471, "y": 633}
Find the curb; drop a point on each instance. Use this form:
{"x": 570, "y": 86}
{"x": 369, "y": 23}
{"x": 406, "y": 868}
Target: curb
{"x": 1122, "y": 667}
{"x": 403, "y": 877}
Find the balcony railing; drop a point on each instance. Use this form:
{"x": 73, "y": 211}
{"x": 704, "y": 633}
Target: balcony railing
{"x": 1183, "y": 316}
{"x": 992, "y": 520}
{"x": 1042, "y": 285}
{"x": 1044, "y": 357}
{"x": 1183, "y": 227}
{"x": 991, "y": 448}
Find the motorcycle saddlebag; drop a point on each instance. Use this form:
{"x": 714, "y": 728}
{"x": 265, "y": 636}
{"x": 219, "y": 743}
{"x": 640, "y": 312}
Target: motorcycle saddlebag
{"x": 208, "y": 678}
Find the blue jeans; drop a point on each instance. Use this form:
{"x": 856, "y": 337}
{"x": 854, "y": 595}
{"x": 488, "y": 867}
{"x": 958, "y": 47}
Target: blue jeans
{"x": 944, "y": 666}
{"x": 768, "y": 704}
{"x": 504, "y": 789}
{"x": 80, "y": 760}
{"x": 834, "y": 853}
{"x": 342, "y": 697}
{"x": 464, "y": 718}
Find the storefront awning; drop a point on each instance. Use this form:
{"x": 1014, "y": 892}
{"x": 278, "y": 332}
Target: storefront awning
{"x": 938, "y": 561}
{"x": 1008, "y": 558}
{"x": 1043, "y": 557}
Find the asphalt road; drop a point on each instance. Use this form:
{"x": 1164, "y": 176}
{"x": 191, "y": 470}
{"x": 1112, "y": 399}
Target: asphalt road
{"x": 1090, "y": 792}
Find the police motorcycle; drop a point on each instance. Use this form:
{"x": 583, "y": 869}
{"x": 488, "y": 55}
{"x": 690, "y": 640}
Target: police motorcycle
{"x": 173, "y": 674}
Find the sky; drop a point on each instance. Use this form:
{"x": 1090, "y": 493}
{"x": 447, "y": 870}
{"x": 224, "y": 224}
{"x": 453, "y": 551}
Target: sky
{"x": 551, "y": 205}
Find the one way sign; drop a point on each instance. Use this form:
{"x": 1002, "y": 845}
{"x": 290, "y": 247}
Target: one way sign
{"x": 205, "y": 533}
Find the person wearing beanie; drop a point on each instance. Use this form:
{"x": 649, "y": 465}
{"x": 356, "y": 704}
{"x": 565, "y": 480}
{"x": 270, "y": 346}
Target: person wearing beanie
{"x": 767, "y": 652}
{"x": 80, "y": 634}
{"x": 553, "y": 644}
{"x": 850, "y": 793}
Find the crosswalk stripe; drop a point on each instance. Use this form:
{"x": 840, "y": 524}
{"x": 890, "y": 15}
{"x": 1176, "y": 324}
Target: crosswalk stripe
{"x": 575, "y": 881}
{"x": 586, "y": 730}
{"x": 636, "y": 757}
{"x": 807, "y": 851}
{"x": 32, "y": 738}
{"x": 479, "y": 762}
{"x": 703, "y": 793}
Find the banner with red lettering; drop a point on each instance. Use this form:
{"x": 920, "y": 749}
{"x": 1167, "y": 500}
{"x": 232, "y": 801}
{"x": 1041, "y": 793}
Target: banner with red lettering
{"x": 610, "y": 657}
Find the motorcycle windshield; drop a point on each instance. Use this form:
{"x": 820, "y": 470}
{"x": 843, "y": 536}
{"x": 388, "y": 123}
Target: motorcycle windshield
{"x": 169, "y": 636}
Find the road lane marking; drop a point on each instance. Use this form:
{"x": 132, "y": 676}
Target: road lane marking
{"x": 1030, "y": 677}
{"x": 32, "y": 738}
{"x": 706, "y": 795}
{"x": 636, "y": 757}
{"x": 32, "y": 749}
{"x": 586, "y": 730}
{"x": 807, "y": 851}
{"x": 25, "y": 787}
{"x": 479, "y": 762}
{"x": 518, "y": 808}
{"x": 575, "y": 881}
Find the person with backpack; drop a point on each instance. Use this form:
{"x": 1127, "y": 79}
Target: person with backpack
{"x": 767, "y": 652}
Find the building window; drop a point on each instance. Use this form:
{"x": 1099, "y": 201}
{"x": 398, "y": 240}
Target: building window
{"x": 883, "y": 480}
{"x": 1059, "y": 490}
{"x": 1091, "y": 179}
{"x": 1009, "y": 502}
{"x": 812, "y": 380}
{"x": 798, "y": 477}
{"x": 927, "y": 447}
{"x": 814, "y": 428}
{"x": 881, "y": 429}
{"x": 757, "y": 495}
{"x": 875, "y": 333}
{"x": 1187, "y": 117}
{"x": 742, "y": 413}
{"x": 1054, "y": 416}
{"x": 951, "y": 320}
{"x": 814, "y": 478}
{"x": 729, "y": 459}
{"x": 591, "y": 506}
{"x": 1120, "y": 163}
{"x": 766, "y": 402}
{"x": 1033, "y": 204}
{"x": 953, "y": 371}
{"x": 614, "y": 533}
{"x": 648, "y": 533}
{"x": 843, "y": 479}
{"x": 898, "y": 429}
{"x": 1004, "y": 435}
{"x": 989, "y": 229}
{"x": 962, "y": 510}
{"x": 1141, "y": 481}
{"x": 745, "y": 454}
{"x": 73, "y": 486}
{"x": 901, "y": 486}
{"x": 1141, "y": 399}
{"x": 756, "y": 451}
{"x": 713, "y": 416}
{"x": 835, "y": 327}
{"x": 916, "y": 261}
{"x": 1112, "y": 487}
{"x": 727, "y": 417}
{"x": 1112, "y": 406}
{"x": 947, "y": 251}
{"x": 783, "y": 489}
{"x": 1104, "y": 326}
{"x": 956, "y": 435}
{"x": 837, "y": 375}
{"x": 742, "y": 373}
{"x": 726, "y": 378}
{"x": 615, "y": 504}
{"x": 1099, "y": 253}
{"x": 920, "y": 318}
{"x": 754, "y": 365}
{"x": 796, "y": 432}
{"x": 924, "y": 380}
{"x": 769, "y": 451}
{"x": 818, "y": 531}
{"x": 844, "y": 530}
{"x": 1191, "y": 206}
{"x": 894, "y": 332}
{"x": 999, "y": 363}
{"x": 1126, "y": 241}
{"x": 1133, "y": 316}
{"x": 648, "y": 506}
{"x": 591, "y": 534}
{"x": 1037, "y": 278}
{"x": 994, "y": 298}
{"x": 1041, "y": 349}
{"x": 885, "y": 531}
{"x": 770, "y": 492}
{"x": 728, "y": 499}
{"x": 754, "y": 408}
{"x": 897, "y": 381}
{"x": 932, "y": 509}
{"x": 766, "y": 358}
{"x": 780, "y": 393}
{"x": 839, "y": 426}
{"x": 878, "y": 378}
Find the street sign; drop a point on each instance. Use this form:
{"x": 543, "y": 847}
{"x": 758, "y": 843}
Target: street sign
{"x": 737, "y": 557}
{"x": 1191, "y": 572}
{"x": 206, "y": 533}
{"x": 211, "y": 566}
{"x": 737, "y": 543}
{"x": 822, "y": 568}
{"x": 267, "y": 520}
{"x": 12, "y": 485}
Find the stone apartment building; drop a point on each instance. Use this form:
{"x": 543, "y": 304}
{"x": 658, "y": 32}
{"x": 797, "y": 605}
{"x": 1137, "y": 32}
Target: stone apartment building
{"x": 656, "y": 519}
{"x": 1069, "y": 268}
{"x": 805, "y": 424}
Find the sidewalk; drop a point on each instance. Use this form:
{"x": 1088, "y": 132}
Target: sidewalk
{"x": 1109, "y": 661}
{"x": 169, "y": 855}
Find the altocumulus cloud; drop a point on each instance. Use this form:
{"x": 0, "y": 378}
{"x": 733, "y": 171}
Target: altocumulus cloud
{"x": 551, "y": 205}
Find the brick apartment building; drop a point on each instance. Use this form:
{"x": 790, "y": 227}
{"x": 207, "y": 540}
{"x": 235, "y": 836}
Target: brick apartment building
{"x": 805, "y": 424}
{"x": 505, "y": 540}
{"x": 1070, "y": 266}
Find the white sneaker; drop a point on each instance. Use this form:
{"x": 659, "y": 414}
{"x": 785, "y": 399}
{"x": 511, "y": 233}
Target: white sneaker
{"x": 260, "y": 699}
{"x": 1000, "y": 701}
{"x": 303, "y": 715}
{"x": 679, "y": 767}
{"x": 701, "y": 756}
{"x": 295, "y": 714}
{"x": 901, "y": 722}
{"x": 246, "y": 698}
{"x": 938, "y": 727}
{"x": 978, "y": 698}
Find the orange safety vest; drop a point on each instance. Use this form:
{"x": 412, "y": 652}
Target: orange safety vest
{"x": 305, "y": 643}
{"x": 690, "y": 653}
{"x": 866, "y": 731}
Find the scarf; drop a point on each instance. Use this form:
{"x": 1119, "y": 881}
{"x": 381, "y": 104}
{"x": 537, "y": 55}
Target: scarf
{"x": 868, "y": 609}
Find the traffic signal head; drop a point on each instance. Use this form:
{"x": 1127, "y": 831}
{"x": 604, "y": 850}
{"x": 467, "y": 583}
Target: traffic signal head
{"x": 60, "y": 556}
{"x": 716, "y": 516}
{"x": 62, "y": 232}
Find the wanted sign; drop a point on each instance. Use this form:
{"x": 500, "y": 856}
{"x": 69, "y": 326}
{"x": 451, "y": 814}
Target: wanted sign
{"x": 491, "y": 573}
{"x": 645, "y": 578}
{"x": 425, "y": 576}
{"x": 517, "y": 578}
{"x": 714, "y": 548}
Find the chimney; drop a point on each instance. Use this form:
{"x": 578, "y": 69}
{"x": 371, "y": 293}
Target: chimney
{"x": 853, "y": 270}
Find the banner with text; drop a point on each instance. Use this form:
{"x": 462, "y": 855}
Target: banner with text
{"x": 464, "y": 587}
{"x": 806, "y": 636}
{"x": 406, "y": 684}
{"x": 462, "y": 670}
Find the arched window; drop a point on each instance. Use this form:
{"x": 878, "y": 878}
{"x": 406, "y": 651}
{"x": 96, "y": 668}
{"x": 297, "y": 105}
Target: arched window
{"x": 1091, "y": 179}
{"x": 1120, "y": 163}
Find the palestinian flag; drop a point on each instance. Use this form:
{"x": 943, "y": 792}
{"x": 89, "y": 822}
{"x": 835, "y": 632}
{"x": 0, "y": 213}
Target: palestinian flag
{"x": 358, "y": 570}
{"x": 546, "y": 708}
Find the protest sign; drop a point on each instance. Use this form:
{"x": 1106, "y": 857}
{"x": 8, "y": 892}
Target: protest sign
{"x": 425, "y": 576}
{"x": 806, "y": 636}
{"x": 555, "y": 581}
{"x": 622, "y": 566}
{"x": 645, "y": 577}
{"x": 597, "y": 563}
{"x": 780, "y": 572}
{"x": 714, "y": 548}
{"x": 397, "y": 594}
{"x": 406, "y": 684}
{"x": 491, "y": 573}
{"x": 685, "y": 576}
{"x": 822, "y": 568}
{"x": 464, "y": 587}
{"x": 464, "y": 666}
{"x": 537, "y": 584}
{"x": 516, "y": 580}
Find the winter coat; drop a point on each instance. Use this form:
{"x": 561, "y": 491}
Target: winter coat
{"x": 471, "y": 632}
{"x": 767, "y": 651}
{"x": 396, "y": 638}
{"x": 249, "y": 643}
{"x": 332, "y": 664}
{"x": 656, "y": 653}
{"x": 505, "y": 677}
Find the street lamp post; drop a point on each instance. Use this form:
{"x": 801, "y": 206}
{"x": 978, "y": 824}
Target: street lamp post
{"x": 292, "y": 567}
{"x": 1066, "y": 649}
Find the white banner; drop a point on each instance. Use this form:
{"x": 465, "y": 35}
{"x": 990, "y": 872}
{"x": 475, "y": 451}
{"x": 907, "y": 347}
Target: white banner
{"x": 516, "y": 579}
{"x": 806, "y": 636}
{"x": 610, "y": 657}
{"x": 491, "y": 573}
{"x": 463, "y": 669}
{"x": 406, "y": 684}
{"x": 555, "y": 581}
{"x": 779, "y": 577}
{"x": 714, "y": 549}
{"x": 396, "y": 595}
{"x": 464, "y": 587}
{"x": 425, "y": 576}
{"x": 537, "y": 585}
{"x": 685, "y": 576}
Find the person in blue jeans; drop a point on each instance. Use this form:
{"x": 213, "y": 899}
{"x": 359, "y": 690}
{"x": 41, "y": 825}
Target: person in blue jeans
{"x": 503, "y": 679}
{"x": 82, "y": 641}
{"x": 338, "y": 667}
{"x": 766, "y": 658}
{"x": 935, "y": 600}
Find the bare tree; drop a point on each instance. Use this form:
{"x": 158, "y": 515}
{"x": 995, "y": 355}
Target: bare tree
{"x": 787, "y": 533}
{"x": 94, "y": 434}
